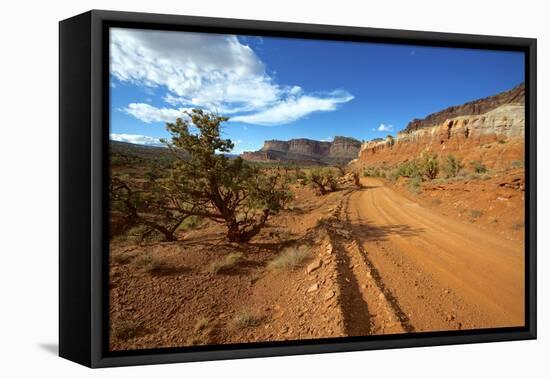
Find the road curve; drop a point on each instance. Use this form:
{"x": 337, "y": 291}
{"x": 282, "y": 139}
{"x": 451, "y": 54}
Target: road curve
{"x": 443, "y": 274}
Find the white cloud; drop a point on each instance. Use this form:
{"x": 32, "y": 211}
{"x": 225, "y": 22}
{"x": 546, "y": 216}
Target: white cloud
{"x": 136, "y": 139}
{"x": 294, "y": 108}
{"x": 197, "y": 69}
{"x": 148, "y": 113}
{"x": 210, "y": 71}
{"x": 384, "y": 127}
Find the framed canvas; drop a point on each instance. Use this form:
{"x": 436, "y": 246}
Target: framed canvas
{"x": 235, "y": 188}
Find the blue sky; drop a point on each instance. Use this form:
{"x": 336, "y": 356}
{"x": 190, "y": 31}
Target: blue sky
{"x": 280, "y": 88}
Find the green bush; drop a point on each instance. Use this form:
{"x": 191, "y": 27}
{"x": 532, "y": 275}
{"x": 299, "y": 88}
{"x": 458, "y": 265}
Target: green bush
{"x": 452, "y": 166}
{"x": 415, "y": 184}
{"x": 478, "y": 166}
{"x": 429, "y": 165}
{"x": 408, "y": 169}
{"x": 373, "y": 172}
{"x": 323, "y": 179}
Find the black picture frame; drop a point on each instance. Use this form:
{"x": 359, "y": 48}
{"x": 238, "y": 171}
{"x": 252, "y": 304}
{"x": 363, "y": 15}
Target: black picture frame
{"x": 83, "y": 167}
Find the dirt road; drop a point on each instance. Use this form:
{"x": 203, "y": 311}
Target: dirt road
{"x": 416, "y": 270}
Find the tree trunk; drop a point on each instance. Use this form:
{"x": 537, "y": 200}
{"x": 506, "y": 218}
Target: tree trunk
{"x": 234, "y": 234}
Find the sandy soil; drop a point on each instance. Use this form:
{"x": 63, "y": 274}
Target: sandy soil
{"x": 380, "y": 260}
{"x": 442, "y": 273}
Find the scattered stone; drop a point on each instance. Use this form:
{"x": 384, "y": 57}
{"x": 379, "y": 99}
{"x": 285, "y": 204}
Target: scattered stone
{"x": 381, "y": 296}
{"x": 329, "y": 249}
{"x": 313, "y": 288}
{"x": 329, "y": 295}
{"x": 447, "y": 291}
{"x": 314, "y": 266}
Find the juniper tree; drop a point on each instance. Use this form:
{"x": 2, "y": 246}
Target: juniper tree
{"x": 211, "y": 185}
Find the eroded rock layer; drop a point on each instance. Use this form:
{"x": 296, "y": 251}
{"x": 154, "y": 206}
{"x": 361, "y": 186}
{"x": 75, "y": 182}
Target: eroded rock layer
{"x": 495, "y": 137}
{"x": 340, "y": 150}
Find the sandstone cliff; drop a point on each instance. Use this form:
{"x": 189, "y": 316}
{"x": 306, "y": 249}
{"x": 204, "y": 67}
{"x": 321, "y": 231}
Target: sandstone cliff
{"x": 477, "y": 107}
{"x": 496, "y": 137}
{"x": 307, "y": 151}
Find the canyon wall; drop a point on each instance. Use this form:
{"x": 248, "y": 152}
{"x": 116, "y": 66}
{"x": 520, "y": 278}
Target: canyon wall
{"x": 477, "y": 107}
{"x": 340, "y": 150}
{"x": 491, "y": 129}
{"x": 495, "y": 137}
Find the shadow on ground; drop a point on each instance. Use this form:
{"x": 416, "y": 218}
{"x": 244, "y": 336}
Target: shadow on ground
{"x": 51, "y": 348}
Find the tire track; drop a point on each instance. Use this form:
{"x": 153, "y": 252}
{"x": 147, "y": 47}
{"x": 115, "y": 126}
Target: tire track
{"x": 369, "y": 307}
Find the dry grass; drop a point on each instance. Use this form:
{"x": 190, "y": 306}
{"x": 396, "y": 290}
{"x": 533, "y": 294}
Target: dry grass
{"x": 476, "y": 213}
{"x": 289, "y": 258}
{"x": 246, "y": 320}
{"x": 229, "y": 262}
{"x": 150, "y": 263}
{"x": 202, "y": 324}
{"x": 127, "y": 329}
{"x": 203, "y": 331}
{"x": 122, "y": 258}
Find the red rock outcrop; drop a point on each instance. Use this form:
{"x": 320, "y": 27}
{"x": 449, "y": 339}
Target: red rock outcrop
{"x": 341, "y": 149}
{"x": 477, "y": 107}
{"x": 495, "y": 137}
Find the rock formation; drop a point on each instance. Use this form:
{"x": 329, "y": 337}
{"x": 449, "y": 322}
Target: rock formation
{"x": 491, "y": 129}
{"x": 477, "y": 107}
{"x": 307, "y": 151}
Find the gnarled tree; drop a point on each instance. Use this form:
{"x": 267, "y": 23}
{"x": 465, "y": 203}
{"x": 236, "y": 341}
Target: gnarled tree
{"x": 211, "y": 185}
{"x": 323, "y": 179}
{"x": 153, "y": 205}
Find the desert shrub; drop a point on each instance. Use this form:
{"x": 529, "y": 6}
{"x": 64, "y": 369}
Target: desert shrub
{"x": 408, "y": 169}
{"x": 429, "y": 165}
{"x": 478, "y": 166}
{"x": 452, "y": 166}
{"x": 127, "y": 329}
{"x": 517, "y": 164}
{"x": 323, "y": 179}
{"x": 341, "y": 169}
{"x": 149, "y": 205}
{"x": 476, "y": 213}
{"x": 246, "y": 320}
{"x": 415, "y": 184}
{"x": 229, "y": 262}
{"x": 300, "y": 175}
{"x": 289, "y": 258}
{"x": 190, "y": 223}
{"x": 149, "y": 262}
{"x": 211, "y": 185}
{"x": 201, "y": 324}
{"x": 202, "y": 331}
{"x": 373, "y": 172}
{"x": 122, "y": 258}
